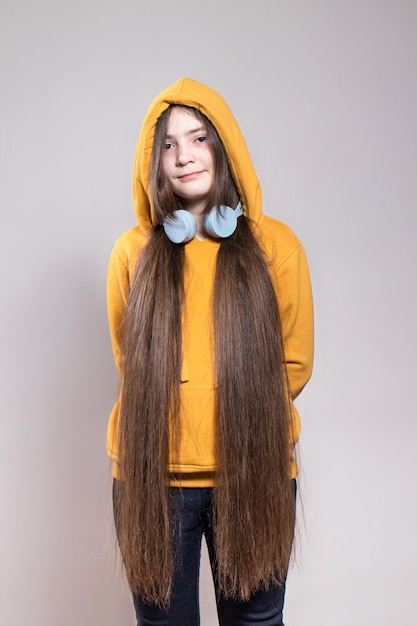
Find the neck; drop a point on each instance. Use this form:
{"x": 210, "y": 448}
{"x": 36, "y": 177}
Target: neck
{"x": 197, "y": 210}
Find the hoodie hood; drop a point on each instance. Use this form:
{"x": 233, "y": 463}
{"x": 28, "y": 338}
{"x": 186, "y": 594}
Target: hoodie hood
{"x": 189, "y": 92}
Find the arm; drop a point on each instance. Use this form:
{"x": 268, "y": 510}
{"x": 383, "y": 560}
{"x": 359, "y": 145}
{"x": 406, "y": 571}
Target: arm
{"x": 296, "y": 310}
{"x": 118, "y": 285}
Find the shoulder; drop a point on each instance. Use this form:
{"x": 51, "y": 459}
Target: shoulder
{"x": 278, "y": 241}
{"x": 128, "y": 246}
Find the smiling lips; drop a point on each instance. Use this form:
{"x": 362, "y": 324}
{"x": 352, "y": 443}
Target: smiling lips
{"x": 189, "y": 176}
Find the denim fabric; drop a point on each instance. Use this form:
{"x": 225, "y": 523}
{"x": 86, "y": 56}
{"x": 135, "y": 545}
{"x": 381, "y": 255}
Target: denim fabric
{"x": 193, "y": 516}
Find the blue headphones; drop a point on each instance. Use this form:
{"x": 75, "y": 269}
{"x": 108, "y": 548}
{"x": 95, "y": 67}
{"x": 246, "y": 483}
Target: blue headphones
{"x": 181, "y": 226}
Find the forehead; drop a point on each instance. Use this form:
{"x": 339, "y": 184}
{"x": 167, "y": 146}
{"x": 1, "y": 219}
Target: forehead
{"x": 183, "y": 120}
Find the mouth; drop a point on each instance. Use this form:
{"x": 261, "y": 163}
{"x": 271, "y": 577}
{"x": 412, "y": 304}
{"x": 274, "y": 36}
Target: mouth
{"x": 189, "y": 176}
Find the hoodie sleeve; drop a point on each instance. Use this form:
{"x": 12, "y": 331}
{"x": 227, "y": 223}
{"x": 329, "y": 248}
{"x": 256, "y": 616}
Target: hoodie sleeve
{"x": 118, "y": 285}
{"x": 296, "y": 310}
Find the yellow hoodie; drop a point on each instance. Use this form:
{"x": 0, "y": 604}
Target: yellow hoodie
{"x": 196, "y": 462}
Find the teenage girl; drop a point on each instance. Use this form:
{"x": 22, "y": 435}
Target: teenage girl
{"x": 211, "y": 321}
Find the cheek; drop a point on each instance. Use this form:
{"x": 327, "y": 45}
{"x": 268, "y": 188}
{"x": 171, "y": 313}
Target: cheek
{"x": 210, "y": 157}
{"x": 166, "y": 163}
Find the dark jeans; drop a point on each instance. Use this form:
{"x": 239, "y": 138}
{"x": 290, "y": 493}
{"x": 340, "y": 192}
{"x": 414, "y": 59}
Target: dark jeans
{"x": 194, "y": 517}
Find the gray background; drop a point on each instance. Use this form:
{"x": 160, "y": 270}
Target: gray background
{"x": 326, "y": 95}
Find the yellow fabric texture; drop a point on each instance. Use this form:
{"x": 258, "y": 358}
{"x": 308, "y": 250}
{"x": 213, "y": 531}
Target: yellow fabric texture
{"x": 196, "y": 461}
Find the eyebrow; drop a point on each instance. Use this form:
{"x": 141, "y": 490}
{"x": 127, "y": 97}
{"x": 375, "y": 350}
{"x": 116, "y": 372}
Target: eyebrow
{"x": 199, "y": 129}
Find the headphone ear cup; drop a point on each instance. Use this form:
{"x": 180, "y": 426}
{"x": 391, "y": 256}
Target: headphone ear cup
{"x": 221, "y": 223}
{"x": 180, "y": 227}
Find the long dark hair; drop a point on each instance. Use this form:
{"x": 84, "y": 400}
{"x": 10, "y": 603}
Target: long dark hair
{"x": 253, "y": 501}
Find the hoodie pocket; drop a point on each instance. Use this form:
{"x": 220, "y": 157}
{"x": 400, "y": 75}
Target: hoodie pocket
{"x": 197, "y": 440}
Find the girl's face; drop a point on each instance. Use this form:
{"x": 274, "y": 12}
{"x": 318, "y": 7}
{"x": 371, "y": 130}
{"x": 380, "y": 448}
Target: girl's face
{"x": 187, "y": 159}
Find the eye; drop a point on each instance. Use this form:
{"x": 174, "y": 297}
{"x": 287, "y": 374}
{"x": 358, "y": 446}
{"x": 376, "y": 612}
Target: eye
{"x": 168, "y": 146}
{"x": 201, "y": 139}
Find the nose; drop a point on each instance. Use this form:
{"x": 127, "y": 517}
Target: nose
{"x": 184, "y": 155}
